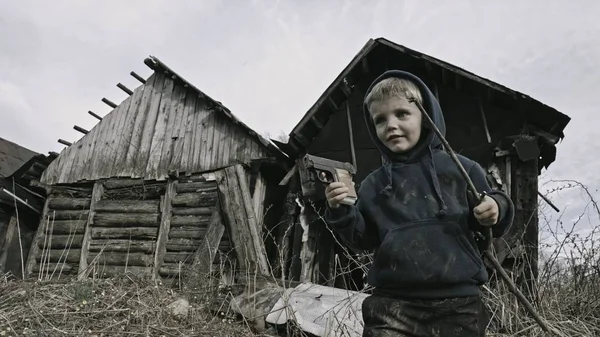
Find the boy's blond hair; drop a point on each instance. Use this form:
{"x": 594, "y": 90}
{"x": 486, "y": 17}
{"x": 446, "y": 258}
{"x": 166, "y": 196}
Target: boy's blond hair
{"x": 391, "y": 87}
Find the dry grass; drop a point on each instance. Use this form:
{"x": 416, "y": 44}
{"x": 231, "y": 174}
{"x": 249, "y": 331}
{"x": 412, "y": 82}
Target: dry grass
{"x": 568, "y": 296}
{"x": 110, "y": 307}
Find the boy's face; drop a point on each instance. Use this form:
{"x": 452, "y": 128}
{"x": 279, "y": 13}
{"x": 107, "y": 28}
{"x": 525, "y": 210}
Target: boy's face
{"x": 397, "y": 122}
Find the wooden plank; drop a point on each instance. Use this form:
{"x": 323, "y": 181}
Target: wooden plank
{"x": 255, "y": 228}
{"x": 112, "y": 140}
{"x": 160, "y": 134}
{"x": 10, "y": 235}
{"x": 204, "y": 163}
{"x": 70, "y": 256}
{"x": 128, "y": 206}
{"x": 87, "y": 151}
{"x": 193, "y": 210}
{"x": 182, "y": 113}
{"x": 98, "y": 146}
{"x": 201, "y": 199}
{"x": 176, "y": 257}
{"x": 96, "y": 195}
{"x": 121, "y": 259}
{"x": 126, "y": 132}
{"x": 68, "y": 203}
{"x": 112, "y": 271}
{"x": 69, "y": 215}
{"x": 148, "y": 133}
{"x": 205, "y": 255}
{"x": 126, "y": 219}
{"x": 34, "y": 250}
{"x": 182, "y": 245}
{"x": 70, "y": 159}
{"x": 62, "y": 241}
{"x": 134, "y": 233}
{"x": 190, "y": 220}
{"x": 120, "y": 245}
{"x": 104, "y": 150}
{"x": 67, "y": 227}
{"x": 172, "y": 129}
{"x": 187, "y": 232}
{"x": 203, "y": 112}
{"x": 258, "y": 199}
{"x": 137, "y": 131}
{"x": 238, "y": 232}
{"x": 218, "y": 137}
{"x": 165, "y": 226}
{"x": 190, "y": 127}
{"x": 196, "y": 187}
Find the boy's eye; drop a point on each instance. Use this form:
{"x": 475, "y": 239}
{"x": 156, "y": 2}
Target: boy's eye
{"x": 379, "y": 120}
{"x": 401, "y": 114}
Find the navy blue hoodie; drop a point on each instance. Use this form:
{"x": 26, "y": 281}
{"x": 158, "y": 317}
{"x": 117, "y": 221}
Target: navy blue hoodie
{"x": 415, "y": 214}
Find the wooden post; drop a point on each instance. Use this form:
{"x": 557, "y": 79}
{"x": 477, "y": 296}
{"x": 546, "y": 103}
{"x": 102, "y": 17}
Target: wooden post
{"x": 8, "y": 237}
{"x": 351, "y": 133}
{"x": 94, "y": 115}
{"x": 205, "y": 255}
{"x": 253, "y": 224}
{"x": 237, "y": 207}
{"x": 137, "y": 77}
{"x": 165, "y": 226}
{"x": 524, "y": 195}
{"x": 33, "y": 251}
{"x": 87, "y": 237}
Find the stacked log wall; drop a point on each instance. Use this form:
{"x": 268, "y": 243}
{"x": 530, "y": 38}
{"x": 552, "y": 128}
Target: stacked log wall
{"x": 56, "y": 249}
{"x": 194, "y": 203}
{"x": 125, "y": 228}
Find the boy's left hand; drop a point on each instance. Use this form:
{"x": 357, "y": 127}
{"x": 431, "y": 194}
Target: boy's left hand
{"x": 486, "y": 212}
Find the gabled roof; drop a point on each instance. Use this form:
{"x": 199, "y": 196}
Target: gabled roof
{"x": 376, "y": 53}
{"x": 157, "y": 65}
{"x": 12, "y": 157}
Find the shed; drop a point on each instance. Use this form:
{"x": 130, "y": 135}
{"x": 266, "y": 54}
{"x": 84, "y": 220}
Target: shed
{"x": 512, "y": 135}
{"x": 168, "y": 177}
{"x": 20, "y": 203}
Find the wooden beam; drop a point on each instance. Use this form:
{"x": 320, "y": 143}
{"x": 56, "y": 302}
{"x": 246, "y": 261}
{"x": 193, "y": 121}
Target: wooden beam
{"x": 109, "y": 103}
{"x": 240, "y": 218}
{"x": 97, "y": 192}
{"x": 484, "y": 120}
{"x": 165, "y": 226}
{"x": 137, "y": 77}
{"x": 94, "y": 115}
{"x": 352, "y": 150}
{"x": 33, "y": 251}
{"x": 124, "y": 88}
{"x": 80, "y": 129}
{"x": 64, "y": 142}
{"x": 205, "y": 255}
{"x": 288, "y": 175}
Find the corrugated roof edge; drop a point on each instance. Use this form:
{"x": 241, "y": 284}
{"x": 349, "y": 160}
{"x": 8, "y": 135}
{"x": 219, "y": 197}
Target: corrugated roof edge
{"x": 156, "y": 64}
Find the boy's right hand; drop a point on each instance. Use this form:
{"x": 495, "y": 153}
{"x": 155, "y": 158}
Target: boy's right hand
{"x": 336, "y": 192}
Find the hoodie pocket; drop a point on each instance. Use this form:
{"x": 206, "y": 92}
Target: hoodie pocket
{"x": 426, "y": 253}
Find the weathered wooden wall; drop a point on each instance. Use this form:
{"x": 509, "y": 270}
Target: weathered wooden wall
{"x": 162, "y": 127}
{"x": 153, "y": 228}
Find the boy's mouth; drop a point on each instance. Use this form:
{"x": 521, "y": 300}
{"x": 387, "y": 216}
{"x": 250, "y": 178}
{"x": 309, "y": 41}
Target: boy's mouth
{"x": 392, "y": 137}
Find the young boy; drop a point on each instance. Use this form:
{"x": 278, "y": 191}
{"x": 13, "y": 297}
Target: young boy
{"x": 414, "y": 212}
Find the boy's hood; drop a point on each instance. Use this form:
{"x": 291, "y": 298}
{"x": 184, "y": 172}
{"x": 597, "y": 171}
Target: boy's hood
{"x": 428, "y": 137}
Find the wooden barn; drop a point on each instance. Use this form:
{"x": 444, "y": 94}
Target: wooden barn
{"x": 511, "y": 135}
{"x": 168, "y": 177}
{"x": 21, "y": 203}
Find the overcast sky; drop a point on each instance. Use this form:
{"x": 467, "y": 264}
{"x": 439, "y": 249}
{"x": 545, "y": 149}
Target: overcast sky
{"x": 268, "y": 61}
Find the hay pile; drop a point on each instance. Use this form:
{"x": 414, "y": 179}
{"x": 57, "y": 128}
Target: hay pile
{"x": 111, "y": 307}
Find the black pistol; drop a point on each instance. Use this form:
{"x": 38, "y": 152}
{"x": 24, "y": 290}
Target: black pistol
{"x": 328, "y": 171}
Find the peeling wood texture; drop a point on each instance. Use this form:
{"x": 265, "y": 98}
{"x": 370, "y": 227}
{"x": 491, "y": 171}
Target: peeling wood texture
{"x": 162, "y": 126}
{"x": 241, "y": 220}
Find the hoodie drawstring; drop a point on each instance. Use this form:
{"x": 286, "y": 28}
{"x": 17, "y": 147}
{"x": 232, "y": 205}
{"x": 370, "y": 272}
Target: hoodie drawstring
{"x": 436, "y": 185}
{"x": 433, "y": 179}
